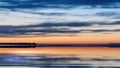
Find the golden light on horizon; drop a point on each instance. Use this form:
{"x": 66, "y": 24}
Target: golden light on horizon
{"x": 83, "y": 39}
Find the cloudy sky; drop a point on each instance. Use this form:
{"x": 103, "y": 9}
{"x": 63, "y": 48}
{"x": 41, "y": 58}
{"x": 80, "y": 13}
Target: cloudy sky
{"x": 60, "y": 20}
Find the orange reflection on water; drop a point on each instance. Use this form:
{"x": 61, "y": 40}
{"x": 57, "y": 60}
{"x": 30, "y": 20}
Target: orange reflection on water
{"x": 81, "y": 51}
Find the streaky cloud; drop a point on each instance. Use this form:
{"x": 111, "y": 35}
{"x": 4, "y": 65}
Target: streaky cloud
{"x": 53, "y": 29}
{"x": 13, "y": 4}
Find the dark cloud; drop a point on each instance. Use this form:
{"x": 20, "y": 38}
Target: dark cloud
{"x": 106, "y": 14}
{"x": 70, "y": 24}
{"x": 73, "y": 24}
{"x": 53, "y": 3}
{"x": 53, "y": 29}
{"x": 100, "y": 30}
{"x": 116, "y": 23}
{"x": 42, "y": 13}
{"x": 42, "y": 29}
{"x": 30, "y": 31}
{"x": 12, "y": 4}
{"x": 113, "y": 23}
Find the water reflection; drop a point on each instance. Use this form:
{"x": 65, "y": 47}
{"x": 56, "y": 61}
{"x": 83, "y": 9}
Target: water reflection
{"x": 55, "y": 61}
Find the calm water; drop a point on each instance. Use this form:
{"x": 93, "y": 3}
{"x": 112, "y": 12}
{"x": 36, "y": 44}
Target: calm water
{"x": 55, "y": 61}
{"x": 60, "y": 58}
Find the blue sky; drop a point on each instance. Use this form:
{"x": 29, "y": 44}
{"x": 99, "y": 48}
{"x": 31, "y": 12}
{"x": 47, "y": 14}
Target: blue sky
{"x": 58, "y": 17}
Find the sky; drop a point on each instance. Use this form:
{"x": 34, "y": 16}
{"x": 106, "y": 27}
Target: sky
{"x": 60, "y": 21}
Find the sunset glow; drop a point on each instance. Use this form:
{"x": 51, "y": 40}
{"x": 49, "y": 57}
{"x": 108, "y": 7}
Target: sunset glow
{"x": 81, "y": 39}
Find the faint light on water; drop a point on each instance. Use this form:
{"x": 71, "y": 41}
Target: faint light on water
{"x": 14, "y": 59}
{"x": 24, "y": 52}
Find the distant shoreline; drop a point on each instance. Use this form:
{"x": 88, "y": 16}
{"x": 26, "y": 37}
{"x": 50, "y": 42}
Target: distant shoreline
{"x": 33, "y": 45}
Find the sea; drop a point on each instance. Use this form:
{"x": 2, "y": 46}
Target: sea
{"x": 60, "y": 57}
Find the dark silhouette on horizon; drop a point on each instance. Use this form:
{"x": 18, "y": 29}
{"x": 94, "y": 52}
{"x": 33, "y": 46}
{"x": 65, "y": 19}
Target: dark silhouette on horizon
{"x": 33, "y": 45}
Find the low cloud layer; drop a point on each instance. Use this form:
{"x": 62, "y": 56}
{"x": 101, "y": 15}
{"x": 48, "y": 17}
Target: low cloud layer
{"x": 53, "y": 29}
